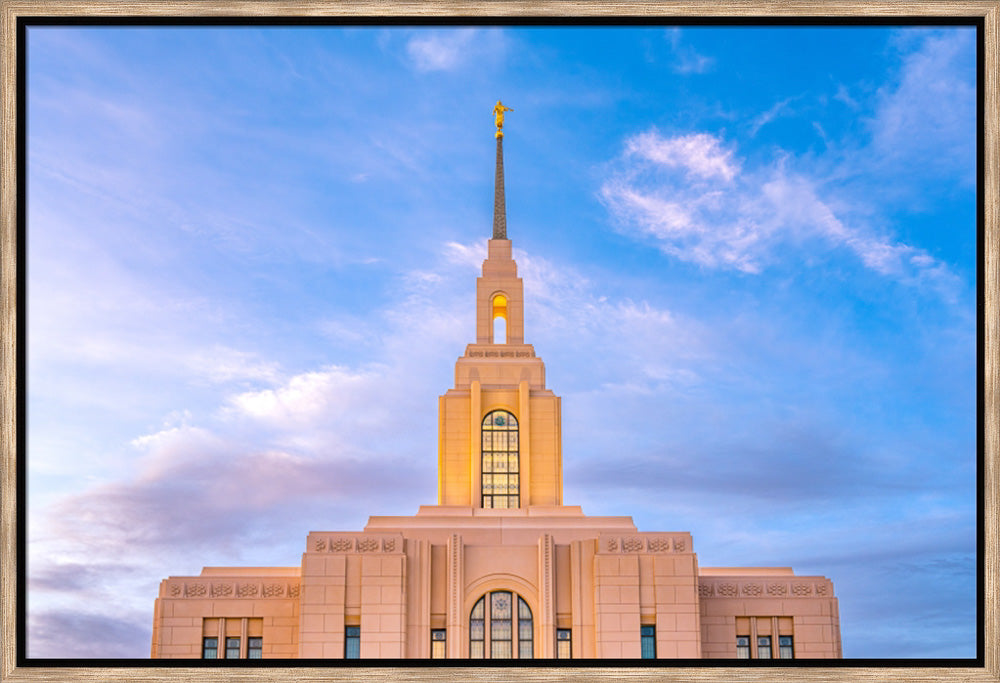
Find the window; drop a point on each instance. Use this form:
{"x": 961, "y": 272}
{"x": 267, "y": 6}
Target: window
{"x": 210, "y": 648}
{"x": 785, "y": 649}
{"x": 255, "y": 647}
{"x": 763, "y": 647}
{"x": 564, "y": 644}
{"x": 648, "y": 640}
{"x": 438, "y": 641}
{"x": 500, "y": 460}
{"x": 501, "y": 622}
{"x": 477, "y": 630}
{"x": 232, "y": 648}
{"x": 352, "y": 642}
{"x": 742, "y": 647}
{"x": 499, "y": 319}
{"x": 525, "y": 631}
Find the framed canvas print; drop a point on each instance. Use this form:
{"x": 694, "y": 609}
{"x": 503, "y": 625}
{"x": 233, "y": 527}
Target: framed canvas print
{"x": 537, "y": 342}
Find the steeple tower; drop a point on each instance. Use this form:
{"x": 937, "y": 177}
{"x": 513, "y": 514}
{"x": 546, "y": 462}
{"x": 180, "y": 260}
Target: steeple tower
{"x": 499, "y": 427}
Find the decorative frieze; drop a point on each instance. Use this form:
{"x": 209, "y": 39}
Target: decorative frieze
{"x": 730, "y": 588}
{"x": 233, "y": 589}
{"x": 501, "y": 354}
{"x": 645, "y": 543}
{"x": 356, "y": 543}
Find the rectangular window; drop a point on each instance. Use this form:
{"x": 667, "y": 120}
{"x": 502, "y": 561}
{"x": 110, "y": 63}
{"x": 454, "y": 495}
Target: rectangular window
{"x": 648, "y": 636}
{"x": 232, "y": 648}
{"x": 255, "y": 647}
{"x": 763, "y": 647}
{"x": 438, "y": 636}
{"x": 785, "y": 649}
{"x": 564, "y": 644}
{"x": 210, "y": 648}
{"x": 352, "y": 642}
{"x": 742, "y": 647}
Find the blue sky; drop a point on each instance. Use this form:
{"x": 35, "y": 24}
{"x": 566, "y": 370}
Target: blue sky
{"x": 749, "y": 265}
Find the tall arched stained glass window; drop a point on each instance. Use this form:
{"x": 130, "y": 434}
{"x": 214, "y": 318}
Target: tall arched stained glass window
{"x": 501, "y": 486}
{"x": 509, "y": 632}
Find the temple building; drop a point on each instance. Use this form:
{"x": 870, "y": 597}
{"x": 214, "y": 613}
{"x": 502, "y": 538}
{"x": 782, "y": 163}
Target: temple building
{"x": 500, "y": 567}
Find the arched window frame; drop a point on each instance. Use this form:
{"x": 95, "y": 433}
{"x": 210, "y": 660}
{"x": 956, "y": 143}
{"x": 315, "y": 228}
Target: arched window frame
{"x": 500, "y": 458}
{"x": 510, "y": 632}
{"x": 499, "y": 304}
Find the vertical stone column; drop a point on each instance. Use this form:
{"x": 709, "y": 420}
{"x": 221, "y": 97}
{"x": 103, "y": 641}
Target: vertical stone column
{"x": 546, "y": 596}
{"x": 418, "y": 557}
{"x": 476, "y": 445}
{"x": 524, "y": 441}
{"x": 456, "y": 617}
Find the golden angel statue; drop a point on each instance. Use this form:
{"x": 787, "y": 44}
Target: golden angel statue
{"x": 498, "y": 111}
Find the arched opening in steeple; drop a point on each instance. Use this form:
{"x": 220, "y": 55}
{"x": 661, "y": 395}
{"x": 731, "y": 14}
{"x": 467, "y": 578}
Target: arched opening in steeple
{"x": 499, "y": 316}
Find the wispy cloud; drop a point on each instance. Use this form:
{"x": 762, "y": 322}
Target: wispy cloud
{"x": 449, "y": 49}
{"x": 686, "y": 59}
{"x": 926, "y": 118}
{"x": 694, "y": 201}
{"x": 778, "y": 109}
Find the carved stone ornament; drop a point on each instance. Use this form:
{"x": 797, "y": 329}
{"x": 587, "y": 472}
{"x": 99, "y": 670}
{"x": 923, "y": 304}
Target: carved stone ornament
{"x": 222, "y": 590}
{"x": 632, "y": 545}
{"x": 802, "y": 589}
{"x": 752, "y": 589}
{"x": 777, "y": 589}
{"x": 368, "y": 545}
{"x": 246, "y": 590}
{"x": 705, "y": 590}
{"x": 680, "y": 545}
{"x": 659, "y": 545}
{"x": 343, "y": 545}
{"x": 728, "y": 590}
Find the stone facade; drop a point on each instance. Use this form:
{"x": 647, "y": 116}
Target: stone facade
{"x": 500, "y": 567}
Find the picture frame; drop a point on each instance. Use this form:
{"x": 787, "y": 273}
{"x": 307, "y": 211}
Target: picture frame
{"x": 12, "y": 583}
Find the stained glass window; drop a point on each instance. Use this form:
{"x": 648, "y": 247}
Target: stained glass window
{"x": 477, "y": 630}
{"x": 210, "y": 648}
{"x": 763, "y": 647}
{"x": 255, "y": 647}
{"x": 501, "y": 621}
{"x": 232, "y": 648}
{"x": 785, "y": 649}
{"x": 742, "y": 647}
{"x": 564, "y": 643}
{"x": 500, "y": 482}
{"x": 438, "y": 642}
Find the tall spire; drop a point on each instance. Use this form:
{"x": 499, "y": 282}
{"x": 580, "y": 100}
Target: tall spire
{"x": 499, "y": 201}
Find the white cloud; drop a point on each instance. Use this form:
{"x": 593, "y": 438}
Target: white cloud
{"x": 700, "y": 154}
{"x": 926, "y": 119}
{"x": 686, "y": 59}
{"x": 778, "y": 109}
{"x": 694, "y": 201}
{"x": 450, "y": 49}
